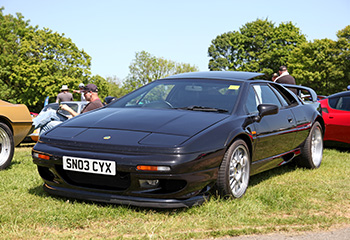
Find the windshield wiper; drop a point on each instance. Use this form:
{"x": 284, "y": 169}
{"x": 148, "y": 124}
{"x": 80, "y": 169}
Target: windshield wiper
{"x": 204, "y": 109}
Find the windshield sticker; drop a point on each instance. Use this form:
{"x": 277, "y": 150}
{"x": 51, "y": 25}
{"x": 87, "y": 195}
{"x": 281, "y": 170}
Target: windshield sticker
{"x": 233, "y": 87}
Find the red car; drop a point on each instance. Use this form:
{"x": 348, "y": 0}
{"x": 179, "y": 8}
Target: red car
{"x": 336, "y": 114}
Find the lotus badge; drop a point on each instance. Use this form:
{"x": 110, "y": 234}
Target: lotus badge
{"x": 106, "y": 137}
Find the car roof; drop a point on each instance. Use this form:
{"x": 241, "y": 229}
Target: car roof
{"x": 340, "y": 94}
{"x": 227, "y": 75}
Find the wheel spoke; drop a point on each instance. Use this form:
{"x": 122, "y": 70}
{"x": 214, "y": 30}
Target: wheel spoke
{"x": 316, "y": 147}
{"x": 4, "y": 146}
{"x": 238, "y": 171}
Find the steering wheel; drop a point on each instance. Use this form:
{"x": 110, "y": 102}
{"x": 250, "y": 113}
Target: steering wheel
{"x": 158, "y": 104}
{"x": 59, "y": 112}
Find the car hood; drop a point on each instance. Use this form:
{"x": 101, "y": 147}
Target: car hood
{"x": 135, "y": 126}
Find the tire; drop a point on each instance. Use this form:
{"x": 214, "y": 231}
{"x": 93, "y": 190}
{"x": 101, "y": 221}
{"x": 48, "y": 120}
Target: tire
{"x": 312, "y": 149}
{"x": 7, "y": 146}
{"x": 233, "y": 176}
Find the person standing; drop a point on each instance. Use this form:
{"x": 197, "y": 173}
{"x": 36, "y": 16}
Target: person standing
{"x": 81, "y": 91}
{"x": 284, "y": 76}
{"x": 64, "y": 95}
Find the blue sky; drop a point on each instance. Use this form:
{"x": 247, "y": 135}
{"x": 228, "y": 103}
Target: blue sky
{"x": 111, "y": 32}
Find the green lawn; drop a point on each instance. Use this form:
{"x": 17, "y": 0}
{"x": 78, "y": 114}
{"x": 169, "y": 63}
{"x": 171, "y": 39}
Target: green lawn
{"x": 283, "y": 199}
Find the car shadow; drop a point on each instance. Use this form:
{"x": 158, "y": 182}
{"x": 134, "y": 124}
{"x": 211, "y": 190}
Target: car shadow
{"x": 263, "y": 176}
{"x": 38, "y": 191}
{"x": 343, "y": 148}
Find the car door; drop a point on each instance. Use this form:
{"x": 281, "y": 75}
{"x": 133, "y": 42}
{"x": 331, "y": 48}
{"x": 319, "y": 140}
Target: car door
{"x": 338, "y": 119}
{"x": 274, "y": 133}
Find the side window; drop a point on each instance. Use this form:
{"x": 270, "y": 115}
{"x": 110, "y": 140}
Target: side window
{"x": 285, "y": 97}
{"x": 267, "y": 95}
{"x": 343, "y": 103}
{"x": 333, "y": 102}
{"x": 252, "y": 102}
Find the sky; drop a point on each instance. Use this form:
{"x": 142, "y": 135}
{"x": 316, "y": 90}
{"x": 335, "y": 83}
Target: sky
{"x": 113, "y": 31}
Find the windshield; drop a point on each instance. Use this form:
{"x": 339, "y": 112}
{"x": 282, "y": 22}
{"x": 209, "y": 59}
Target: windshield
{"x": 188, "y": 94}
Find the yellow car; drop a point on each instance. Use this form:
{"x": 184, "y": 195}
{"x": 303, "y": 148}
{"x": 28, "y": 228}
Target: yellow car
{"x": 15, "y": 124}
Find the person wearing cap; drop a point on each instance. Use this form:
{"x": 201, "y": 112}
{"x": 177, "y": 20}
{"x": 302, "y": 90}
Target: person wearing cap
{"x": 284, "y": 76}
{"x": 64, "y": 95}
{"x": 91, "y": 95}
{"x": 50, "y": 118}
{"x": 81, "y": 91}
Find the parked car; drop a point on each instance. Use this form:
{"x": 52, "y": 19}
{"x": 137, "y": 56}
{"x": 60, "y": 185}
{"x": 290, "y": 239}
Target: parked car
{"x": 171, "y": 142}
{"x": 15, "y": 123}
{"x": 336, "y": 114}
{"x": 77, "y": 106}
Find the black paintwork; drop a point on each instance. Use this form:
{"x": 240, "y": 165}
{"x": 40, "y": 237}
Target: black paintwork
{"x": 191, "y": 141}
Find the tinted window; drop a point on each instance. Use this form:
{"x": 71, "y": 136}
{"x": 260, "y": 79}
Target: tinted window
{"x": 341, "y": 103}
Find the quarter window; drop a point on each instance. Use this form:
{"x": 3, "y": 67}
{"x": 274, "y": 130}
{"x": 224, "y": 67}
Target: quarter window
{"x": 252, "y": 101}
{"x": 266, "y": 95}
{"x": 340, "y": 103}
{"x": 258, "y": 94}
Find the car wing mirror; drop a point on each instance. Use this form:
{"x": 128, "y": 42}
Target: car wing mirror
{"x": 266, "y": 109}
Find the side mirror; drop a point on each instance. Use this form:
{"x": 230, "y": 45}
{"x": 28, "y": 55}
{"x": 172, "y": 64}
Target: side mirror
{"x": 266, "y": 109}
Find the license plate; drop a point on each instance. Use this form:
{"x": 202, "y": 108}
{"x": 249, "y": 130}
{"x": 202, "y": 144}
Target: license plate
{"x": 89, "y": 165}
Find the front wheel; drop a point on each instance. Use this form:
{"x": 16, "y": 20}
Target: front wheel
{"x": 312, "y": 149}
{"x": 233, "y": 177}
{"x": 7, "y": 146}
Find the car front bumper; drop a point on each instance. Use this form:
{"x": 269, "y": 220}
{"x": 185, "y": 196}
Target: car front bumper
{"x": 125, "y": 200}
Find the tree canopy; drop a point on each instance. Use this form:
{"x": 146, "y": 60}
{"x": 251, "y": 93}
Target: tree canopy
{"x": 258, "y": 46}
{"x": 35, "y": 63}
{"x": 146, "y": 68}
{"x": 323, "y": 64}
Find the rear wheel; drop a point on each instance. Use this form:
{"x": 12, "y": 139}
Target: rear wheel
{"x": 6, "y": 146}
{"x": 312, "y": 149}
{"x": 234, "y": 171}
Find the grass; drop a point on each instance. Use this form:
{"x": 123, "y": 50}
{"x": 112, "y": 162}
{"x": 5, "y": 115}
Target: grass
{"x": 284, "y": 199}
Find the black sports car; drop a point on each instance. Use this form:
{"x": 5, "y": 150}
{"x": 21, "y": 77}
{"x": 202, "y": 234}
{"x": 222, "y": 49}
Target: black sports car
{"x": 167, "y": 144}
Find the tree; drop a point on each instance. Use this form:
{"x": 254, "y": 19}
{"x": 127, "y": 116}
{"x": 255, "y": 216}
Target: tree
{"x": 146, "y": 68}
{"x": 38, "y": 62}
{"x": 323, "y": 64}
{"x": 259, "y": 46}
{"x": 344, "y": 44}
{"x": 115, "y": 88}
{"x": 12, "y": 30}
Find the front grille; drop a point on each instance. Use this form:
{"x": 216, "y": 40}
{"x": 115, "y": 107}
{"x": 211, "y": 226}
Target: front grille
{"x": 119, "y": 182}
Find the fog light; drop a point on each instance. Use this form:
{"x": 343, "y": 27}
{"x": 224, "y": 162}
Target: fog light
{"x": 149, "y": 183}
